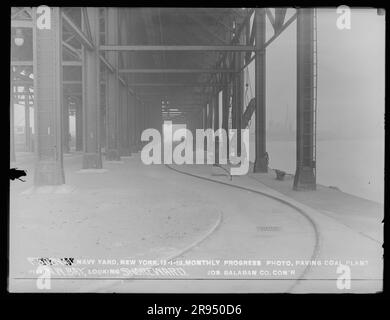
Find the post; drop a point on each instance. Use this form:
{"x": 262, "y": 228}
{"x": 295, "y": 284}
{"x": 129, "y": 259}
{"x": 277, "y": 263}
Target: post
{"x": 133, "y": 127}
{"x": 261, "y": 160}
{"x": 129, "y": 121}
{"x": 210, "y": 113}
{"x": 124, "y": 149}
{"x": 27, "y": 129}
{"x": 138, "y": 121}
{"x": 204, "y": 114}
{"x": 12, "y": 120}
{"x": 103, "y": 112}
{"x": 145, "y": 114}
{"x": 65, "y": 124}
{"x": 47, "y": 48}
{"x": 113, "y": 90}
{"x": 135, "y": 124}
{"x": 216, "y": 123}
{"x": 305, "y": 176}
{"x": 92, "y": 157}
{"x": 238, "y": 95}
{"x": 124, "y": 103}
{"x": 79, "y": 125}
{"x": 225, "y": 113}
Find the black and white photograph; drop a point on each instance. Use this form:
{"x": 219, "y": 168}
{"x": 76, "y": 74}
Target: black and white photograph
{"x": 186, "y": 150}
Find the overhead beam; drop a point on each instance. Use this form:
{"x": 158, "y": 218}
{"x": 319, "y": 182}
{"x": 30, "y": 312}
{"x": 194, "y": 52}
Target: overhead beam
{"x": 21, "y": 24}
{"x": 72, "y": 63}
{"x": 176, "y": 71}
{"x": 19, "y": 11}
{"x": 270, "y": 40}
{"x": 21, "y": 63}
{"x": 164, "y": 84}
{"x": 153, "y": 48}
{"x": 178, "y": 109}
{"x": 72, "y": 51}
{"x": 236, "y": 36}
{"x": 80, "y": 35}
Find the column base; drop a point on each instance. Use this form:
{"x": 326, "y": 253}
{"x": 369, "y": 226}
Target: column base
{"x": 261, "y": 165}
{"x": 304, "y": 179}
{"x": 92, "y": 161}
{"x": 49, "y": 172}
{"x": 113, "y": 155}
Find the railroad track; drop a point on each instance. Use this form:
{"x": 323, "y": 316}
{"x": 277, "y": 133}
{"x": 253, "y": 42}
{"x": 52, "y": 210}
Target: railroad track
{"x": 316, "y": 245}
{"x": 315, "y": 251}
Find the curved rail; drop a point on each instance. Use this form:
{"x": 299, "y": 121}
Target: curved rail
{"x": 314, "y": 226}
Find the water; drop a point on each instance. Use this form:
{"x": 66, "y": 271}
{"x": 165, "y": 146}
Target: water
{"x": 354, "y": 166}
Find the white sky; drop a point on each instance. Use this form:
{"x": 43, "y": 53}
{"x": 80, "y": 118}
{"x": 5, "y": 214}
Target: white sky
{"x": 351, "y": 71}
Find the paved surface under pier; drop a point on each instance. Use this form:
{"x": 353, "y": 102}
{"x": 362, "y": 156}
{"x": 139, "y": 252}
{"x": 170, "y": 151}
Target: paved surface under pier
{"x": 134, "y": 211}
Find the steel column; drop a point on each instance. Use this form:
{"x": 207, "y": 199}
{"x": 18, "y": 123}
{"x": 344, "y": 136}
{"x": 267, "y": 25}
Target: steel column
{"x": 305, "y": 176}
{"x": 27, "y": 128}
{"x": 112, "y": 90}
{"x": 138, "y": 123}
{"x": 204, "y": 117}
{"x": 215, "y": 97}
{"x": 124, "y": 144}
{"x": 129, "y": 120}
{"x": 142, "y": 122}
{"x": 133, "y": 122}
{"x": 12, "y": 122}
{"x": 47, "y": 48}
{"x": 92, "y": 157}
{"x": 133, "y": 99}
{"x": 210, "y": 114}
{"x": 225, "y": 114}
{"x": 238, "y": 95}
{"x": 65, "y": 125}
{"x": 103, "y": 113}
{"x": 79, "y": 125}
{"x": 261, "y": 160}
{"x": 124, "y": 148}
